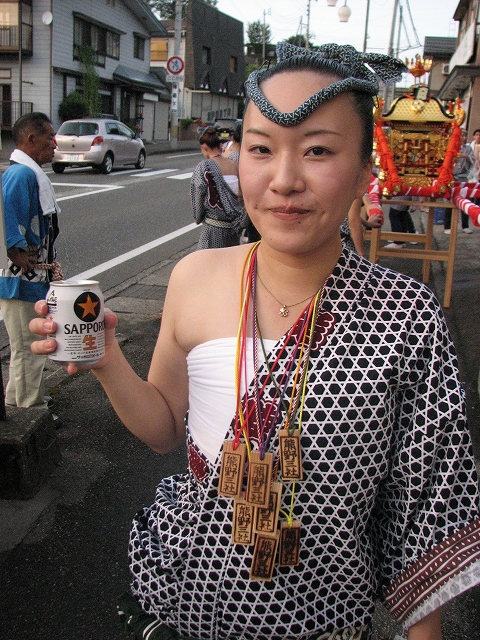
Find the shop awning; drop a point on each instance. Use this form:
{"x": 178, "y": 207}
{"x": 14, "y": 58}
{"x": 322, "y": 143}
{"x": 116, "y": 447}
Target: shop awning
{"x": 138, "y": 79}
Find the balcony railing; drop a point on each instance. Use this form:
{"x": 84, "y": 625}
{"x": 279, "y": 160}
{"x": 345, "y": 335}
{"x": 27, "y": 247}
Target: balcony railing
{"x": 9, "y": 40}
{"x": 10, "y": 112}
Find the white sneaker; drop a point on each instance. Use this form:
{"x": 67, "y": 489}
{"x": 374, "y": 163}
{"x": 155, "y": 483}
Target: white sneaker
{"x": 467, "y": 230}
{"x": 446, "y": 232}
{"x": 394, "y": 245}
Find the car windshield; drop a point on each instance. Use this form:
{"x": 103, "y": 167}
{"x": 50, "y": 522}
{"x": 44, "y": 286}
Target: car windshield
{"x": 225, "y": 124}
{"x": 78, "y": 129}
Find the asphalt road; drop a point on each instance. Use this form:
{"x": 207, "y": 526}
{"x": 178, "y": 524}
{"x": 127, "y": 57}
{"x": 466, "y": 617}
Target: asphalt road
{"x": 105, "y": 217}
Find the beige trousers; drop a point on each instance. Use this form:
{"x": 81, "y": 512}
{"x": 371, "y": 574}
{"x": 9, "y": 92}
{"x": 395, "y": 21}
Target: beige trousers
{"x": 25, "y": 386}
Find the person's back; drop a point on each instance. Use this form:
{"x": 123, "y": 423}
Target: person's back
{"x": 215, "y": 195}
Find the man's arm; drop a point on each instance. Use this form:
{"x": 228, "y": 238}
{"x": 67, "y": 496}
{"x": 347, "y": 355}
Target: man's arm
{"x": 20, "y": 204}
{"x": 356, "y": 228}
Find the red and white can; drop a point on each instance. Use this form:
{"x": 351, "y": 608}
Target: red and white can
{"x": 77, "y": 308}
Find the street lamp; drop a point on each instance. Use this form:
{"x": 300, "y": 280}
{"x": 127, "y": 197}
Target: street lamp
{"x": 344, "y": 14}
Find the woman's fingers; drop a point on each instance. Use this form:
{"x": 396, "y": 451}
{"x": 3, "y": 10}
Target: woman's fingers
{"x": 45, "y": 326}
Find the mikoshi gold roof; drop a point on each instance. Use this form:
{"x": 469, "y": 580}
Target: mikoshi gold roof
{"x": 414, "y": 110}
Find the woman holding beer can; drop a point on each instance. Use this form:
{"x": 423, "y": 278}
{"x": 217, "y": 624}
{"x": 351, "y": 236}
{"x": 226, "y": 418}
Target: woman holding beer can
{"x": 328, "y": 447}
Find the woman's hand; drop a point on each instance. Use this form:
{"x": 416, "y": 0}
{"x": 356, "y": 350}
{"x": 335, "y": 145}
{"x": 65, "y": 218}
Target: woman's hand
{"x": 44, "y": 326}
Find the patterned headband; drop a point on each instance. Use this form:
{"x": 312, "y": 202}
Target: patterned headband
{"x": 341, "y": 60}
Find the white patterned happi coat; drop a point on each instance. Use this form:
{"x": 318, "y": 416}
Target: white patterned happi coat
{"x": 389, "y": 503}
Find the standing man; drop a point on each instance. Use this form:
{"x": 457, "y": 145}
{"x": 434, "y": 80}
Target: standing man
{"x": 476, "y": 139}
{"x": 31, "y": 226}
{"x": 462, "y": 167}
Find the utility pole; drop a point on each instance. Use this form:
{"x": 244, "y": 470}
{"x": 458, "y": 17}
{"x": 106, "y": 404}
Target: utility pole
{"x": 365, "y": 37}
{"x": 386, "y": 90}
{"x": 264, "y": 32}
{"x": 20, "y": 58}
{"x": 175, "y": 85}
{"x": 307, "y": 37}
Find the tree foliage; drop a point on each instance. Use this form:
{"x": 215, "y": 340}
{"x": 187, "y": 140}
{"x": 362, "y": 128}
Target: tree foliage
{"x": 166, "y": 8}
{"x": 72, "y": 107}
{"x": 91, "y": 81}
{"x": 256, "y": 36}
{"x": 299, "y": 40}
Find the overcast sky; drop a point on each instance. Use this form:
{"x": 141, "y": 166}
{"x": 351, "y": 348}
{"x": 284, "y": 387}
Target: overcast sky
{"x": 428, "y": 18}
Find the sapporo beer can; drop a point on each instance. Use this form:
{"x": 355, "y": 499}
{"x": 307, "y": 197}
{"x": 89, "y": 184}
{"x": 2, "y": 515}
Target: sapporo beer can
{"x": 77, "y": 308}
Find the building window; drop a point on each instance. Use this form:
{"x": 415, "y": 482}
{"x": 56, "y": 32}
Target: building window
{"x": 9, "y": 30}
{"x": 233, "y": 64}
{"x": 104, "y": 43}
{"x": 113, "y": 45}
{"x": 158, "y": 50}
{"x": 138, "y": 47}
{"x": 206, "y": 55}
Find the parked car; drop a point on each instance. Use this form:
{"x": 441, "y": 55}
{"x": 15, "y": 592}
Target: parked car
{"x": 101, "y": 143}
{"x": 225, "y": 127}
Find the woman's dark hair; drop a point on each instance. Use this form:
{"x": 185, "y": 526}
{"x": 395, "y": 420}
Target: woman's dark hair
{"x": 237, "y": 134}
{"x": 211, "y": 138}
{"x": 362, "y": 102}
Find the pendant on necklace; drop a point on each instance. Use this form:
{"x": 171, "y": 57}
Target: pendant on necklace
{"x": 259, "y": 480}
{"x": 290, "y": 544}
{"x": 264, "y": 553}
{"x": 232, "y": 469}
{"x": 290, "y": 454}
{"x": 243, "y": 522}
{"x": 284, "y": 311}
{"x": 267, "y": 519}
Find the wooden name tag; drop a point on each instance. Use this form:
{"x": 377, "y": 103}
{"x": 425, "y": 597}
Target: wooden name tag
{"x": 267, "y": 518}
{"x": 243, "y": 522}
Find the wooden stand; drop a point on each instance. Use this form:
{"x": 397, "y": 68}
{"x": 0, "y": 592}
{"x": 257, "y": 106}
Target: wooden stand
{"x": 427, "y": 254}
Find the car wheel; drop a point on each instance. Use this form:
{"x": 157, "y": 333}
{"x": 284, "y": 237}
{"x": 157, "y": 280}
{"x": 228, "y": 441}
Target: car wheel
{"x": 141, "y": 160}
{"x": 107, "y": 164}
{"x": 58, "y": 168}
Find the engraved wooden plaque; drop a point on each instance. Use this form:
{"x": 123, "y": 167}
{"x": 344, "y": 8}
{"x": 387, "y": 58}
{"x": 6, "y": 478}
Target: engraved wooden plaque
{"x": 267, "y": 518}
{"x": 232, "y": 470}
{"x": 243, "y": 522}
{"x": 259, "y": 479}
{"x": 263, "y": 561}
{"x": 290, "y": 544}
{"x": 290, "y": 455}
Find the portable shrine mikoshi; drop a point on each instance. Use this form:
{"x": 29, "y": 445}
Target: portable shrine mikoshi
{"x": 416, "y": 143}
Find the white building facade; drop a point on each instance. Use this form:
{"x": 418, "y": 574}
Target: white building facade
{"x": 40, "y": 64}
